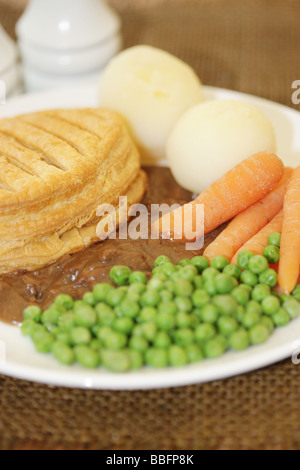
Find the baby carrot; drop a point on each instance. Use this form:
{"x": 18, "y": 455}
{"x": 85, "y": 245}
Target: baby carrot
{"x": 289, "y": 263}
{"x": 249, "y": 222}
{"x": 244, "y": 185}
{"x": 258, "y": 243}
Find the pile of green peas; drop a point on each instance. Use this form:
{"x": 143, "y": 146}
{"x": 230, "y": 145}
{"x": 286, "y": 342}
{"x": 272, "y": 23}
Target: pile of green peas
{"x": 183, "y": 314}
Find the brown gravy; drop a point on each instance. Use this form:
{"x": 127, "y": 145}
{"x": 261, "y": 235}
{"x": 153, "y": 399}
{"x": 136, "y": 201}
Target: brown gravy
{"x": 78, "y": 273}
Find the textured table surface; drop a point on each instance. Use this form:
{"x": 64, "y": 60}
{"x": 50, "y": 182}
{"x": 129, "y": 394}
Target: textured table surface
{"x": 250, "y": 46}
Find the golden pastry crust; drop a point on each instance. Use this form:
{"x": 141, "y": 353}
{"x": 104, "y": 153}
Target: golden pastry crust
{"x": 56, "y": 168}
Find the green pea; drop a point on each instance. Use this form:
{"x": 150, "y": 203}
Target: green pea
{"x": 183, "y": 288}
{"x": 292, "y": 306}
{"x": 251, "y": 319}
{"x": 157, "y": 357}
{"x": 177, "y": 356}
{"x": 226, "y": 304}
{"x": 219, "y": 262}
{"x": 168, "y": 269}
{"x": 184, "y": 262}
{"x": 150, "y": 299}
{"x": 162, "y": 340}
{"x": 136, "y": 359}
{"x": 175, "y": 276}
{"x": 274, "y": 239}
{"x": 258, "y": 264}
{"x": 198, "y": 282}
{"x": 209, "y": 313}
{"x": 32, "y": 312}
{"x": 183, "y": 320}
{"x": 66, "y": 322}
{"x": 210, "y": 274}
{"x": 138, "y": 277}
{"x": 184, "y": 304}
{"x": 162, "y": 260}
{"x": 150, "y": 330}
{"x": 168, "y": 307}
{"x": 156, "y": 284}
{"x": 281, "y": 318}
{"x": 138, "y": 343}
{"x": 43, "y": 342}
{"x": 200, "y": 297}
{"x": 240, "y": 313}
{"x": 296, "y": 292}
{"x": 159, "y": 277}
{"x": 249, "y": 278}
{"x": 137, "y": 288}
{"x": 80, "y": 336}
{"x": 270, "y": 305}
{"x": 28, "y": 327}
{"x": 89, "y": 299}
{"x": 166, "y": 295}
{"x": 123, "y": 325}
{"x": 194, "y": 353}
{"x": 116, "y": 361}
{"x": 241, "y": 295}
{"x": 100, "y": 291}
{"x": 129, "y": 308}
{"x": 239, "y": 340}
{"x": 225, "y": 283}
{"x": 211, "y": 288}
{"x": 114, "y": 341}
{"x": 106, "y": 315}
{"x": 189, "y": 273}
{"x": 233, "y": 270}
{"x": 65, "y": 301}
{"x": 244, "y": 258}
{"x": 254, "y": 307}
{"x": 272, "y": 254}
{"x": 166, "y": 321}
{"x": 268, "y": 322}
{"x": 115, "y": 297}
{"x": 63, "y": 353}
{"x": 205, "y": 332}
{"x": 269, "y": 277}
{"x": 51, "y": 315}
{"x": 86, "y": 317}
{"x": 147, "y": 314}
{"x": 260, "y": 292}
{"x": 120, "y": 275}
{"x": 184, "y": 336}
{"x": 227, "y": 326}
{"x": 259, "y": 334}
{"x": 200, "y": 262}
{"x": 214, "y": 348}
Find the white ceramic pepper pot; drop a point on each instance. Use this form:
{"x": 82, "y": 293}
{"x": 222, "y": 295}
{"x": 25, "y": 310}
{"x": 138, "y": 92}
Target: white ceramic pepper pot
{"x": 66, "y": 42}
{"x": 9, "y": 74}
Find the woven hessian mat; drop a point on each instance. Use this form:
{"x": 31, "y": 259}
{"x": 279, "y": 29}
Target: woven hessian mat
{"x": 250, "y": 46}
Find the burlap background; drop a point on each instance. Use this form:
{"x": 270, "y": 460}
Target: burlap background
{"x": 251, "y": 46}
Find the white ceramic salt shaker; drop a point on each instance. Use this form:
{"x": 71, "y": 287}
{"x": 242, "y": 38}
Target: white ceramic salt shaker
{"x": 66, "y": 42}
{"x": 9, "y": 73}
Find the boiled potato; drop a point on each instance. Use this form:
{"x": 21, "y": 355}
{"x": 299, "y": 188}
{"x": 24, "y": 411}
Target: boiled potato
{"x": 151, "y": 89}
{"x": 213, "y": 137}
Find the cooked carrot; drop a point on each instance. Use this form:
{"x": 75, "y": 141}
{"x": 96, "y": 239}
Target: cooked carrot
{"x": 244, "y": 185}
{"x": 289, "y": 263}
{"x": 258, "y": 243}
{"x": 249, "y": 222}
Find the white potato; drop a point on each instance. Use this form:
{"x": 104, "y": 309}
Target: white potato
{"x": 151, "y": 89}
{"x": 212, "y": 138}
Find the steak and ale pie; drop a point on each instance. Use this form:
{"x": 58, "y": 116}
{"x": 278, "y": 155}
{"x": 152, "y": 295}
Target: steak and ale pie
{"x": 56, "y": 168}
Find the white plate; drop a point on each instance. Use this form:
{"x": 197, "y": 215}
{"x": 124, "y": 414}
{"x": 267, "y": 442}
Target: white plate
{"x": 17, "y": 355}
